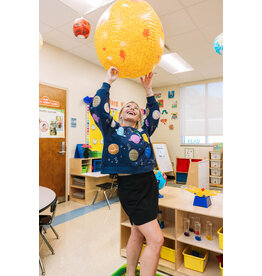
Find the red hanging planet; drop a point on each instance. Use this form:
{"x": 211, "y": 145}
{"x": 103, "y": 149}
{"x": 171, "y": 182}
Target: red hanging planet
{"x": 81, "y": 28}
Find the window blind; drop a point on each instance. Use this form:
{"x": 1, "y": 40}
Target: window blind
{"x": 202, "y": 110}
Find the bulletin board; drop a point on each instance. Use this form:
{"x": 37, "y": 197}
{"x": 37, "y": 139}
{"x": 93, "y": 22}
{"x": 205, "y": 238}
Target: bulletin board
{"x": 163, "y": 158}
{"x": 94, "y": 135}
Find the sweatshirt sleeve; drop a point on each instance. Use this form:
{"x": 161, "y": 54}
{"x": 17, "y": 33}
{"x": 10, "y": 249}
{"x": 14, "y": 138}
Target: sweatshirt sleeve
{"x": 100, "y": 108}
{"x": 152, "y": 115}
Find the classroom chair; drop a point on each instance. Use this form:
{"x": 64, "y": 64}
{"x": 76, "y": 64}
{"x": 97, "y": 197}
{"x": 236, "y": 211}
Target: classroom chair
{"x": 111, "y": 186}
{"x": 46, "y": 220}
{"x": 41, "y": 266}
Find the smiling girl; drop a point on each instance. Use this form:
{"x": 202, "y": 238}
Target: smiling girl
{"x": 128, "y": 153}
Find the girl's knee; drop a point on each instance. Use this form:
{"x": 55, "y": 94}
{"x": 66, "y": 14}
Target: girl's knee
{"x": 157, "y": 240}
{"x": 136, "y": 233}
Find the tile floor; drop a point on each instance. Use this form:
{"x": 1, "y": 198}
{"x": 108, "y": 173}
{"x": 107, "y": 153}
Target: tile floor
{"x": 89, "y": 243}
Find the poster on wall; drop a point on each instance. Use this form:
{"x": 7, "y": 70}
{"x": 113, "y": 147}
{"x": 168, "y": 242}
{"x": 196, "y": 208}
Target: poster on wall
{"x": 94, "y": 135}
{"x": 189, "y": 153}
{"x": 171, "y": 94}
{"x": 51, "y": 123}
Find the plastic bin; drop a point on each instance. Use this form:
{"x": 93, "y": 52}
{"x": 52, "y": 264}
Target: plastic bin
{"x": 97, "y": 165}
{"x": 181, "y": 177}
{"x": 182, "y": 164}
{"x": 216, "y": 172}
{"x": 192, "y": 262}
{"x": 84, "y": 169}
{"x": 220, "y": 235}
{"x": 168, "y": 254}
{"x": 221, "y": 269}
{"x": 96, "y": 154}
{"x": 216, "y": 155}
{"x": 216, "y": 163}
{"x": 77, "y": 181}
{"x": 215, "y": 180}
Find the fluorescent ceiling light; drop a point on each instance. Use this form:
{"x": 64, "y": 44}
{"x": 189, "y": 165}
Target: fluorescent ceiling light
{"x": 85, "y": 6}
{"x": 174, "y": 64}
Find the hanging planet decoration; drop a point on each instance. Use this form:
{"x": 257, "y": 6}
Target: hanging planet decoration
{"x": 218, "y": 44}
{"x": 130, "y": 37}
{"x": 81, "y": 28}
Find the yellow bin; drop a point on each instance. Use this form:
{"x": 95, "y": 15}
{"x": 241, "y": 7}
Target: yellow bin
{"x": 168, "y": 254}
{"x": 192, "y": 262}
{"x": 220, "y": 234}
{"x": 221, "y": 269}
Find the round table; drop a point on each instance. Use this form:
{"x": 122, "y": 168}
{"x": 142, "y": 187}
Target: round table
{"x": 46, "y": 198}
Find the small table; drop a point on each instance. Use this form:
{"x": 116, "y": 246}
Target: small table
{"x": 46, "y": 198}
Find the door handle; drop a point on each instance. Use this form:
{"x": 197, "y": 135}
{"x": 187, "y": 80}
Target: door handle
{"x": 62, "y": 149}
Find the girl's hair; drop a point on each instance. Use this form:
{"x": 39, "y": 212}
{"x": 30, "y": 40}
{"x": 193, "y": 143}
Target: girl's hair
{"x": 139, "y": 122}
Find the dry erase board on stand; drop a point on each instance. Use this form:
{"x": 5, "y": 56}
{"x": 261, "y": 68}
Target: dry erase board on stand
{"x": 163, "y": 159}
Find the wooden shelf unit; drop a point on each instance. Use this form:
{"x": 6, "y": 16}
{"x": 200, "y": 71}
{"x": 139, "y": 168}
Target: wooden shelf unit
{"x": 83, "y": 186}
{"x": 216, "y": 169}
{"x": 177, "y": 204}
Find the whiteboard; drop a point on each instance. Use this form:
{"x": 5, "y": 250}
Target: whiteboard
{"x": 162, "y": 157}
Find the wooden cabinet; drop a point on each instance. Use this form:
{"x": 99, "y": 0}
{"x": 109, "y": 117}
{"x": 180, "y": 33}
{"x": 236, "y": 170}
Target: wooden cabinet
{"x": 216, "y": 168}
{"x": 83, "y": 181}
{"x": 175, "y": 206}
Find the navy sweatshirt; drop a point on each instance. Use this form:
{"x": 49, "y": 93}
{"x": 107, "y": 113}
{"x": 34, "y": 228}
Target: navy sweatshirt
{"x": 126, "y": 150}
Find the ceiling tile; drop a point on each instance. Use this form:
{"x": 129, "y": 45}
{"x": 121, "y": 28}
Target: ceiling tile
{"x": 212, "y": 66}
{"x": 186, "y": 41}
{"x": 61, "y": 40}
{"x": 54, "y": 13}
{"x": 191, "y": 76}
{"x": 187, "y": 3}
{"x": 212, "y": 31}
{"x": 165, "y": 7}
{"x": 43, "y": 28}
{"x": 177, "y": 23}
{"x": 84, "y": 51}
{"x": 197, "y": 54}
{"x": 209, "y": 12}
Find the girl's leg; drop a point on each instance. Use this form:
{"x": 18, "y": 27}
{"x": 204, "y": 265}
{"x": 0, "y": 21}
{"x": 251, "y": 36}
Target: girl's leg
{"x": 133, "y": 250}
{"x": 151, "y": 253}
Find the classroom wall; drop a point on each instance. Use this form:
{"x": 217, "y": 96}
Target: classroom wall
{"x": 172, "y": 137}
{"x": 80, "y": 78}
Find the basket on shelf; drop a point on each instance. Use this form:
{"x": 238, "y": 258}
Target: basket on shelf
{"x": 193, "y": 262}
{"x": 220, "y": 234}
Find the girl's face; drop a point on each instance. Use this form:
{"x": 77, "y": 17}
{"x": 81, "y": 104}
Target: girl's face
{"x": 130, "y": 113}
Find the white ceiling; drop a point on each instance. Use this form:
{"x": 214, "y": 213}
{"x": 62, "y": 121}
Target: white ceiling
{"x": 190, "y": 27}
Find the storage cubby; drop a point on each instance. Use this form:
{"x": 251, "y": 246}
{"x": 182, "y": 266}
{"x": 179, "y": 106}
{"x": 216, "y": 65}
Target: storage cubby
{"x": 216, "y": 168}
{"x": 211, "y": 269}
{"x": 82, "y": 183}
{"x": 176, "y": 205}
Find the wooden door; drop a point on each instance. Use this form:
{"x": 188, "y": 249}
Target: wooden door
{"x": 52, "y": 160}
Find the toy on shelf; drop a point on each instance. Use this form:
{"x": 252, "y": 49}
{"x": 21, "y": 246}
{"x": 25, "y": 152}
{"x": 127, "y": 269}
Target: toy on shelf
{"x": 191, "y": 222}
{"x": 161, "y": 180}
{"x": 186, "y": 227}
{"x": 160, "y": 219}
{"x": 198, "y": 231}
{"x": 209, "y": 234}
{"x": 202, "y": 196}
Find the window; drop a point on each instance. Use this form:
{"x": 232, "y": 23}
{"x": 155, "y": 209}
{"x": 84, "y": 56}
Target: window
{"x": 202, "y": 114}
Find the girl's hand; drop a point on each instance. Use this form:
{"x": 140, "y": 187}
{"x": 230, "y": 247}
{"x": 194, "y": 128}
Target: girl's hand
{"x": 112, "y": 75}
{"x": 147, "y": 84}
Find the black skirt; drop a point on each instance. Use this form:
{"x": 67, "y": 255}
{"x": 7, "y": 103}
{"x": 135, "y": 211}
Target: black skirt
{"x": 138, "y": 195}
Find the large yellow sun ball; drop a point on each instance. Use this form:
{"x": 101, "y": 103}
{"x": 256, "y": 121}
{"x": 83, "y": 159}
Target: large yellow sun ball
{"x": 129, "y": 36}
